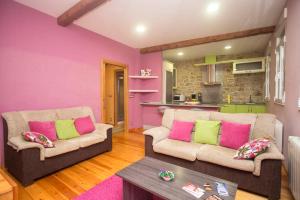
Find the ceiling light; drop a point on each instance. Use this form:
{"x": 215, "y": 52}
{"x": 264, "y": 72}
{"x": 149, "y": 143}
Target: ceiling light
{"x": 180, "y": 53}
{"x": 213, "y": 7}
{"x": 227, "y": 47}
{"x": 140, "y": 28}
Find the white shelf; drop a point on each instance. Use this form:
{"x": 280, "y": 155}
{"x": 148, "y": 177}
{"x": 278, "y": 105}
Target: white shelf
{"x": 143, "y": 91}
{"x": 143, "y": 77}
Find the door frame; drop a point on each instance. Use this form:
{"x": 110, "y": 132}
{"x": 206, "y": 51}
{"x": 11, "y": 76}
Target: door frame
{"x": 103, "y": 64}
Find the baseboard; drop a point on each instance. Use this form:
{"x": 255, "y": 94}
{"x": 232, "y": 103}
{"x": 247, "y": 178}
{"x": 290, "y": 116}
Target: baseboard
{"x": 146, "y": 126}
{"x": 136, "y": 130}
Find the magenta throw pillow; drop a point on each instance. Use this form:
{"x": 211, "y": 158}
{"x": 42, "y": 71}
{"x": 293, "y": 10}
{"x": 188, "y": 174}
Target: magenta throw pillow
{"x": 84, "y": 125}
{"x": 234, "y": 135}
{"x": 181, "y": 131}
{"x": 46, "y": 128}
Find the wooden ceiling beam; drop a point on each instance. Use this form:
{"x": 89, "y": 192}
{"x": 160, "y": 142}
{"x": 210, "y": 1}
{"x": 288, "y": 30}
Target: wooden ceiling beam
{"x": 209, "y": 39}
{"x": 78, "y": 10}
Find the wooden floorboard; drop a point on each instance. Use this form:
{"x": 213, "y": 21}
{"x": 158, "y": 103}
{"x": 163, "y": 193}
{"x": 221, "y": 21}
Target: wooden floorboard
{"x": 127, "y": 148}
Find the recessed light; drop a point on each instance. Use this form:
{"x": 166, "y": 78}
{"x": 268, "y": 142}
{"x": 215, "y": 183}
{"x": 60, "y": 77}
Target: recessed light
{"x": 227, "y": 47}
{"x": 180, "y": 53}
{"x": 140, "y": 28}
{"x": 213, "y": 7}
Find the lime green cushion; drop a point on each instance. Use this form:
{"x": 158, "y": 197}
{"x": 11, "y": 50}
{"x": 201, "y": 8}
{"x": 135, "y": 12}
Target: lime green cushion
{"x": 65, "y": 129}
{"x": 207, "y": 132}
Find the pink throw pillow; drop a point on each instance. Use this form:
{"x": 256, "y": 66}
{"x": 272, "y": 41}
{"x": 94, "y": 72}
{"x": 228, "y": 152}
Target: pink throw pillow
{"x": 181, "y": 131}
{"x": 234, "y": 135}
{"x": 46, "y": 128}
{"x": 84, "y": 125}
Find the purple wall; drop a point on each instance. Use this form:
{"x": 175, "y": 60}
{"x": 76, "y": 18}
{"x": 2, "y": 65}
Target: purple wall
{"x": 289, "y": 113}
{"x": 43, "y": 65}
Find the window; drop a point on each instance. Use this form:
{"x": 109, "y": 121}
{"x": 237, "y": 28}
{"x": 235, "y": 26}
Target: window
{"x": 279, "y": 76}
{"x": 267, "y": 78}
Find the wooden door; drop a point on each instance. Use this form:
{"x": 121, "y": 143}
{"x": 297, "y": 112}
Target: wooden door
{"x": 109, "y": 99}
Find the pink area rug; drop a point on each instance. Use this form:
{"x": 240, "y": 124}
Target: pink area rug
{"x": 109, "y": 189}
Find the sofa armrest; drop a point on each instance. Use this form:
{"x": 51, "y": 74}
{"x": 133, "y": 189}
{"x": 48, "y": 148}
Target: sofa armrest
{"x": 158, "y": 133}
{"x": 271, "y": 154}
{"x": 102, "y": 129}
{"x": 18, "y": 143}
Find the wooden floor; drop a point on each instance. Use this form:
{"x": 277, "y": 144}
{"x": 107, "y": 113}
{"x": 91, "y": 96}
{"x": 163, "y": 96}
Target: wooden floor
{"x": 72, "y": 181}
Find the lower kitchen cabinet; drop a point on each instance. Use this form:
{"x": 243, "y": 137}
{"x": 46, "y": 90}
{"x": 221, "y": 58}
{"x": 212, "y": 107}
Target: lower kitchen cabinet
{"x": 233, "y": 108}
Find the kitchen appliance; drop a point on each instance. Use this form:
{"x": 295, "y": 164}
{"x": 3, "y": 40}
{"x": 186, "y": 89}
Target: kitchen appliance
{"x": 194, "y": 97}
{"x": 178, "y": 98}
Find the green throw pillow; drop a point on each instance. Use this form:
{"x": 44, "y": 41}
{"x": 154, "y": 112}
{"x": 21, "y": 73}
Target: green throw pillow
{"x": 207, "y": 132}
{"x": 65, "y": 129}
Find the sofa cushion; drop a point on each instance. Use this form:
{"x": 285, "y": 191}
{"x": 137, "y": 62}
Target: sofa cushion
{"x": 39, "y": 115}
{"x": 206, "y": 131}
{"x": 181, "y": 130}
{"x": 168, "y": 117}
{"x": 191, "y": 115}
{"x": 101, "y": 129}
{"x": 179, "y": 149}
{"x": 223, "y": 156}
{"x": 15, "y": 123}
{"x": 88, "y": 139}
{"x": 264, "y": 127}
{"x": 157, "y": 133}
{"x": 244, "y": 118}
{"x": 75, "y": 112}
{"x": 61, "y": 146}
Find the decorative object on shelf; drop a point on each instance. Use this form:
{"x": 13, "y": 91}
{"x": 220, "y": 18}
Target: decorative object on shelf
{"x": 143, "y": 72}
{"x": 166, "y": 175}
{"x": 146, "y": 72}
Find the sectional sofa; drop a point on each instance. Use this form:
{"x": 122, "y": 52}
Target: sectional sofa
{"x": 28, "y": 161}
{"x": 261, "y": 175}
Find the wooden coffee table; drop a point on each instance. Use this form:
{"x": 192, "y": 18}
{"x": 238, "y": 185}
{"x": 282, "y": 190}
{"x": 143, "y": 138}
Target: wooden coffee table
{"x": 141, "y": 181}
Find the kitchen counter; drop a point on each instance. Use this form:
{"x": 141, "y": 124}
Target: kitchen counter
{"x": 233, "y": 103}
{"x": 216, "y": 106}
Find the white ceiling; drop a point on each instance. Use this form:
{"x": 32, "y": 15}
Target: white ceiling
{"x": 167, "y": 20}
{"x": 254, "y": 44}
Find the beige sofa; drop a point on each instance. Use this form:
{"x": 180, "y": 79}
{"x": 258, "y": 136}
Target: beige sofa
{"x": 28, "y": 160}
{"x": 196, "y": 156}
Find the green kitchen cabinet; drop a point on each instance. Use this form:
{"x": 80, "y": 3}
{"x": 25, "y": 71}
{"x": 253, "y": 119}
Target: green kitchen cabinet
{"x": 243, "y": 108}
{"x": 228, "y": 108}
{"x": 258, "y": 109}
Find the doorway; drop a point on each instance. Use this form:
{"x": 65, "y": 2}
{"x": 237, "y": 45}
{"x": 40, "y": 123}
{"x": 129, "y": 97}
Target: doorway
{"x": 114, "y": 93}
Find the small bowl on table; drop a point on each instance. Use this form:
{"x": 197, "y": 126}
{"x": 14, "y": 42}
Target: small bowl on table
{"x": 167, "y": 175}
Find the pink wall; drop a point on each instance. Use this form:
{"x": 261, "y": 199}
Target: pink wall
{"x": 289, "y": 113}
{"x": 43, "y": 65}
{"x": 154, "y": 61}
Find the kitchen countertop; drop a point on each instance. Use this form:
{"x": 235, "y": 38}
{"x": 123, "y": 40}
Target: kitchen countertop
{"x": 180, "y": 105}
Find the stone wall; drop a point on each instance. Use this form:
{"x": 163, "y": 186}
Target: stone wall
{"x": 190, "y": 79}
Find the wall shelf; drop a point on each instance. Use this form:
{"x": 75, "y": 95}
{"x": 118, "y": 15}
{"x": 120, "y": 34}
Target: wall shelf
{"x": 143, "y": 91}
{"x": 143, "y": 77}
